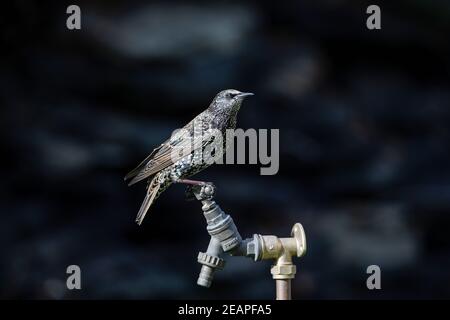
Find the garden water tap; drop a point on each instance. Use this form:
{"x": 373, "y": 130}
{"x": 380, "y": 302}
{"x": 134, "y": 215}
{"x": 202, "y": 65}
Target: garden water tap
{"x": 225, "y": 239}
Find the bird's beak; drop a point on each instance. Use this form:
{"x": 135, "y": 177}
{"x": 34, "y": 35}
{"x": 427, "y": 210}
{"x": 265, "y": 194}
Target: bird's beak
{"x": 244, "y": 94}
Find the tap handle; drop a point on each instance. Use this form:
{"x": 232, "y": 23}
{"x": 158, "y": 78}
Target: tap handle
{"x": 300, "y": 239}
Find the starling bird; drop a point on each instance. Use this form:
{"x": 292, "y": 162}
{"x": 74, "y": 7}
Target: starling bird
{"x": 165, "y": 165}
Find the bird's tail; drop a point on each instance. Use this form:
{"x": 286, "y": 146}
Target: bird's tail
{"x": 153, "y": 191}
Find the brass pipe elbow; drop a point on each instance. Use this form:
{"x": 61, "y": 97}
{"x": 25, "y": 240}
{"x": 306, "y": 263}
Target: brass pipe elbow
{"x": 282, "y": 250}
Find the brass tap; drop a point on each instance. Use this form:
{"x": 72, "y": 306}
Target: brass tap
{"x": 282, "y": 250}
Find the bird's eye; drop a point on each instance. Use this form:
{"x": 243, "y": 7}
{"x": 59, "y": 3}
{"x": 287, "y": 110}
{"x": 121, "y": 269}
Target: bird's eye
{"x": 230, "y": 95}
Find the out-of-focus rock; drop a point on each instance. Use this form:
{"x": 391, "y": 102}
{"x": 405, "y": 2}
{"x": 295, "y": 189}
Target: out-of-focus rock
{"x": 373, "y": 235}
{"x": 174, "y": 31}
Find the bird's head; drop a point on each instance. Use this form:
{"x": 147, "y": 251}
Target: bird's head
{"x": 228, "y": 100}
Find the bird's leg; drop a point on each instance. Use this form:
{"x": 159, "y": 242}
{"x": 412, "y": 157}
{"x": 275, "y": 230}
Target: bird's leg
{"x": 192, "y": 182}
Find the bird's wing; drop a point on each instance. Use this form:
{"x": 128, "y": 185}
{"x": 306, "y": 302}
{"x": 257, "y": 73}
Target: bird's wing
{"x": 182, "y": 143}
{"x": 142, "y": 165}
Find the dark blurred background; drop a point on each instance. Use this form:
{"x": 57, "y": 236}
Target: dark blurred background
{"x": 364, "y": 145}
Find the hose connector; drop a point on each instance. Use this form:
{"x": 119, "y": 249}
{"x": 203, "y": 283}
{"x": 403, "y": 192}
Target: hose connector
{"x": 209, "y": 265}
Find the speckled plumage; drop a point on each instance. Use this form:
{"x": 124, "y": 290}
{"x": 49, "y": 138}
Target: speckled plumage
{"x": 161, "y": 168}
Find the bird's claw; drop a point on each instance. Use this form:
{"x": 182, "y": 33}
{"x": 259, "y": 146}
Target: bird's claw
{"x": 201, "y": 191}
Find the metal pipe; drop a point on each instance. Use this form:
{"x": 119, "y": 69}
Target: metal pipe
{"x": 283, "y": 289}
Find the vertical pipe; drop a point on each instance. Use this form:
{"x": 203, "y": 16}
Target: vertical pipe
{"x": 283, "y": 287}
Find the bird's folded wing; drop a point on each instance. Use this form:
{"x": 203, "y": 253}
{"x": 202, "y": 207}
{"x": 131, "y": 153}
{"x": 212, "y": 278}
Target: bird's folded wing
{"x": 168, "y": 153}
{"x": 142, "y": 165}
